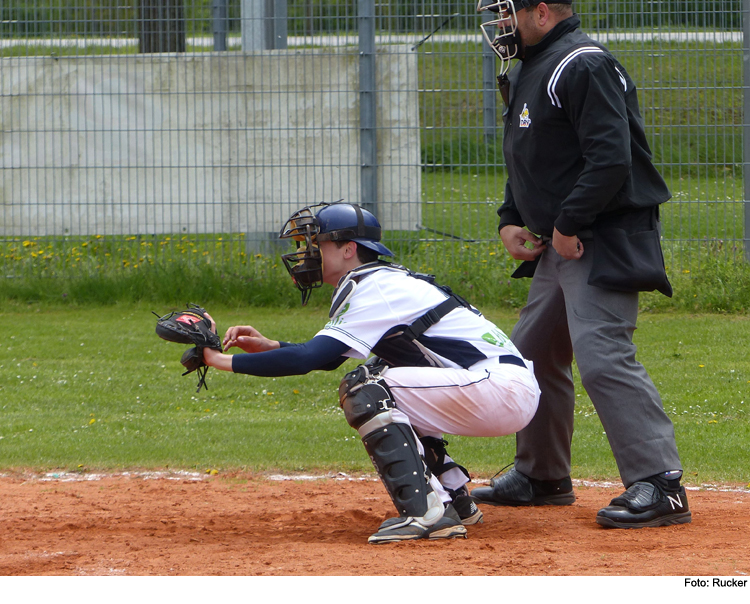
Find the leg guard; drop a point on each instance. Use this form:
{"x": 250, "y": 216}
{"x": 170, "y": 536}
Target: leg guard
{"x": 368, "y": 405}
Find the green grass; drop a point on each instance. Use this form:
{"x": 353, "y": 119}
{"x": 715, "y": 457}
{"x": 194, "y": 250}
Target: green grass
{"x": 94, "y": 388}
{"x": 702, "y": 229}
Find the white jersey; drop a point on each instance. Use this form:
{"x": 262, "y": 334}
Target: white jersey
{"x": 385, "y": 300}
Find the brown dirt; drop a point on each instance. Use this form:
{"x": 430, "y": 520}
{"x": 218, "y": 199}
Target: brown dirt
{"x": 183, "y": 524}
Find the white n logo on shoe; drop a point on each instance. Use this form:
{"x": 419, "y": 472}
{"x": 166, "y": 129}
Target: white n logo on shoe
{"x": 675, "y": 501}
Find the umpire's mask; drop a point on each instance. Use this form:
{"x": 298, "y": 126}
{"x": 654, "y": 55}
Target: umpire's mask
{"x": 332, "y": 222}
{"x": 506, "y": 41}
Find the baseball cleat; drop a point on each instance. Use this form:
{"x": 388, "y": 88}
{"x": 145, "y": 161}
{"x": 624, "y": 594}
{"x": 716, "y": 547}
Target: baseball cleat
{"x": 408, "y": 529}
{"x": 516, "y": 489}
{"x": 465, "y": 507}
{"x": 646, "y": 504}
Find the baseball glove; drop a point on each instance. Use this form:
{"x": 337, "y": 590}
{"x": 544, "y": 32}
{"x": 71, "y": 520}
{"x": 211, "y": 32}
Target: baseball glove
{"x": 190, "y": 326}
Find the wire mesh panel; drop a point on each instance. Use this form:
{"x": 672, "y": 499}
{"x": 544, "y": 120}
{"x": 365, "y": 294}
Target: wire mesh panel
{"x": 686, "y": 58}
{"x": 152, "y": 131}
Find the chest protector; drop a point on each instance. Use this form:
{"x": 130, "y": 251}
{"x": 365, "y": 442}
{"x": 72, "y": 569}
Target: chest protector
{"x": 400, "y": 345}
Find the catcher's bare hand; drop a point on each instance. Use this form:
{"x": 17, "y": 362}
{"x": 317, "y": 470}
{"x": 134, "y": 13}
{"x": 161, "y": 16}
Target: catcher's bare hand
{"x": 213, "y": 323}
{"x": 515, "y": 239}
{"x": 248, "y": 338}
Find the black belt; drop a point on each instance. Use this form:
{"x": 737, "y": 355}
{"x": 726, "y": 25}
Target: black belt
{"x": 511, "y": 359}
{"x": 582, "y": 235}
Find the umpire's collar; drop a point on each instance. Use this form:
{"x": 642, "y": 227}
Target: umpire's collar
{"x": 557, "y": 32}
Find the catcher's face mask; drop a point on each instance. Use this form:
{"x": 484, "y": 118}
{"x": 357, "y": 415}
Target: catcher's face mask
{"x": 505, "y": 40}
{"x": 305, "y": 265}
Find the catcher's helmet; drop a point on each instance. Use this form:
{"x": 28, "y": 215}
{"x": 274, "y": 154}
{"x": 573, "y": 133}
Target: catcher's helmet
{"x": 332, "y": 222}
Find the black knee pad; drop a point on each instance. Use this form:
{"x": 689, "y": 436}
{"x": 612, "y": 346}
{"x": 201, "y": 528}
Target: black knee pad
{"x": 363, "y": 395}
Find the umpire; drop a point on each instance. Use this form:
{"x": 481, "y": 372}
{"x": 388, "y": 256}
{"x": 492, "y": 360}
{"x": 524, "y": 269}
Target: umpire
{"x": 581, "y": 210}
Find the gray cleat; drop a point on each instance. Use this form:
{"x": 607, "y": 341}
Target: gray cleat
{"x": 407, "y": 529}
{"x": 465, "y": 507}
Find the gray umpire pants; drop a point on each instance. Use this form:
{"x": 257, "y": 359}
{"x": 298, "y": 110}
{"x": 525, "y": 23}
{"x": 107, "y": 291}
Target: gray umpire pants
{"x": 565, "y": 317}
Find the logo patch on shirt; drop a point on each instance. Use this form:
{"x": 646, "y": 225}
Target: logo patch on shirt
{"x": 339, "y": 318}
{"x": 495, "y": 337}
{"x": 525, "y": 119}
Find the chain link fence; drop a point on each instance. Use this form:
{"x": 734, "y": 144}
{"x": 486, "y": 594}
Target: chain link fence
{"x": 142, "y": 132}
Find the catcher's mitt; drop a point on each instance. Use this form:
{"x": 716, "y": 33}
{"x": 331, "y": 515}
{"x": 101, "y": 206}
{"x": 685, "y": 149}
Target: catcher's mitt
{"x": 190, "y": 326}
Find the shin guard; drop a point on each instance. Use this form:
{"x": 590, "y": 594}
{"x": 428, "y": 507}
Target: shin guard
{"x": 368, "y": 406}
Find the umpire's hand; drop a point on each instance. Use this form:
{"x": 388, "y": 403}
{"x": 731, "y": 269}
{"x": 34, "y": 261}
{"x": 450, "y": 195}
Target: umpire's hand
{"x": 569, "y": 248}
{"x": 515, "y": 239}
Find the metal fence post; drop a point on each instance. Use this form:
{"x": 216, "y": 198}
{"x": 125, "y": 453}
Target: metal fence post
{"x": 220, "y": 23}
{"x": 746, "y": 120}
{"x": 368, "y": 143}
{"x": 264, "y": 24}
{"x": 276, "y": 24}
{"x": 253, "y": 24}
{"x": 489, "y": 86}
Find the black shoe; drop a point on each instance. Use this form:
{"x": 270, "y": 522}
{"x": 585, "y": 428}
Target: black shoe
{"x": 515, "y": 489}
{"x": 465, "y": 507}
{"x": 646, "y": 504}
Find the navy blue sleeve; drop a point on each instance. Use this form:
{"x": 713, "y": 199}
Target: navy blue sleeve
{"x": 321, "y": 352}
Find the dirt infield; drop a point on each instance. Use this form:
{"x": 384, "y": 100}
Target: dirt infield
{"x": 190, "y": 524}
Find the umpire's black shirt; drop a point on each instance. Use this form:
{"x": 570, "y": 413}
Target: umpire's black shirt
{"x": 574, "y": 140}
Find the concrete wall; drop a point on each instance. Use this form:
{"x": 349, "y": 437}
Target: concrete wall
{"x": 208, "y": 142}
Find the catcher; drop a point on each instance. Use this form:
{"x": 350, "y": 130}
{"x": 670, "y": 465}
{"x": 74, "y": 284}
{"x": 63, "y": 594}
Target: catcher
{"x": 439, "y": 366}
